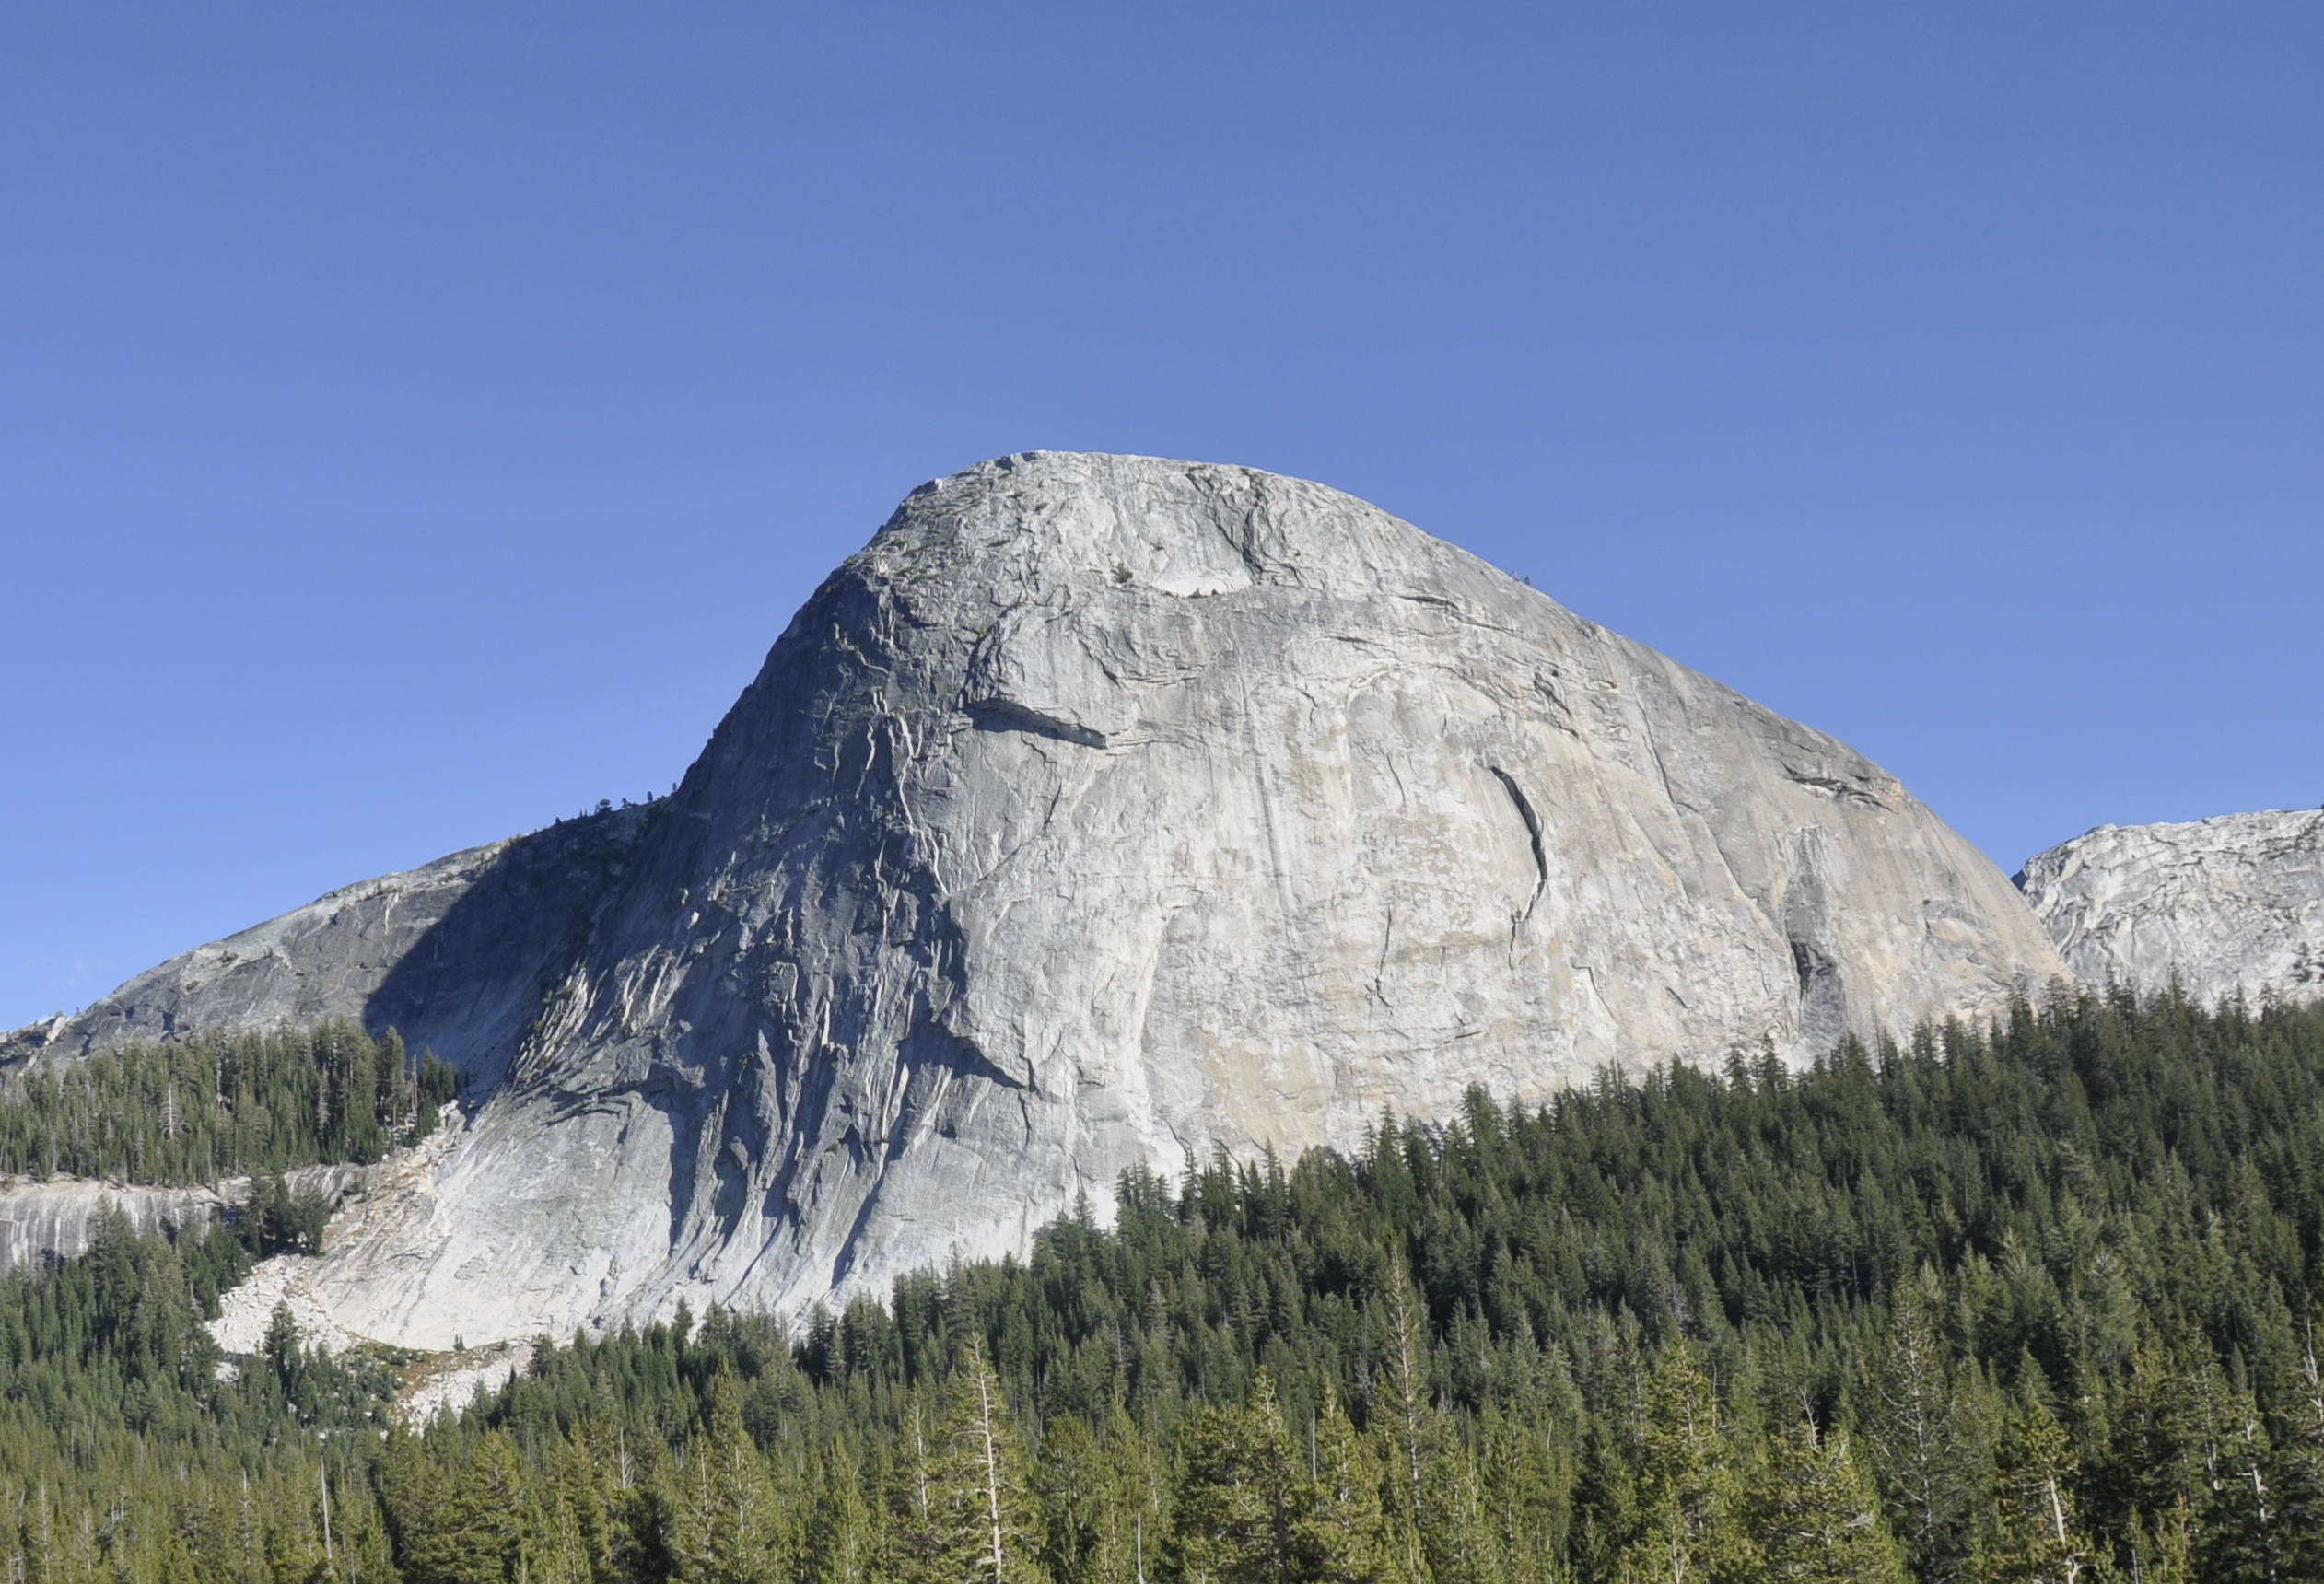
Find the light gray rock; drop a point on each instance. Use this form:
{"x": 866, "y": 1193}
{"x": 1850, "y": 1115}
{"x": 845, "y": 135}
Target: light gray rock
{"x": 455, "y": 955}
{"x": 2230, "y": 906}
{"x": 1101, "y": 811}
{"x": 54, "y": 1217}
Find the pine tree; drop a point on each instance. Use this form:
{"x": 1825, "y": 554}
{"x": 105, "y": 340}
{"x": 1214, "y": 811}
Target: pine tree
{"x": 418, "y": 1497}
{"x": 294, "y": 1550}
{"x": 2156, "y": 1430}
{"x": 470, "y": 1528}
{"x": 842, "y": 1540}
{"x": 1690, "y": 1507}
{"x": 1605, "y": 1499}
{"x": 2162, "y": 1552}
{"x": 988, "y": 1518}
{"x": 1530, "y": 1488}
{"x": 1236, "y": 1497}
{"x": 2037, "y": 1536}
{"x": 2300, "y": 1471}
{"x": 1404, "y": 1420}
{"x": 1927, "y": 1433}
{"x": 727, "y": 1527}
{"x": 42, "y": 1564}
{"x": 1131, "y": 1546}
{"x": 582, "y": 1521}
{"x": 913, "y": 1547}
{"x": 1815, "y": 1517}
{"x": 1456, "y": 1535}
{"x": 284, "y": 1356}
{"x": 1339, "y": 1535}
{"x": 2238, "y": 1528}
{"x": 1077, "y": 1499}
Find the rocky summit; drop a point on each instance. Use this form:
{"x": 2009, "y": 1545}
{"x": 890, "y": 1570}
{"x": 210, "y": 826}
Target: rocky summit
{"x": 2225, "y": 907}
{"x": 1102, "y": 813}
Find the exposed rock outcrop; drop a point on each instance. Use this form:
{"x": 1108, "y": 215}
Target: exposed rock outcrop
{"x": 56, "y": 1217}
{"x": 1101, "y": 810}
{"x": 2222, "y": 907}
{"x": 457, "y": 955}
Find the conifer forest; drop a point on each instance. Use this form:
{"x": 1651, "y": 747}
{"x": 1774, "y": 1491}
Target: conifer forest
{"x": 2035, "y": 1301}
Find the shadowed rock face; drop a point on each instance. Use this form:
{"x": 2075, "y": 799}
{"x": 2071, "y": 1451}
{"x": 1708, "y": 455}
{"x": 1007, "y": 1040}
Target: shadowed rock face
{"x": 2222, "y": 907}
{"x": 456, "y": 955}
{"x": 1101, "y": 810}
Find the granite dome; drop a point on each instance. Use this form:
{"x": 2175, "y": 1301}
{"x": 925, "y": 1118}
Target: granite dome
{"x": 1101, "y": 811}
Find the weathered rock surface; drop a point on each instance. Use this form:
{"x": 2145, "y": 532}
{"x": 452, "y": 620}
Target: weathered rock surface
{"x": 457, "y": 955}
{"x": 1101, "y": 810}
{"x": 54, "y": 1217}
{"x": 43, "y": 1217}
{"x": 2228, "y": 906}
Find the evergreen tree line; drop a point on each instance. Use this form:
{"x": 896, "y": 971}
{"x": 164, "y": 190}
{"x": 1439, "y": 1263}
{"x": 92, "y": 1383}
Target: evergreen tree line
{"x": 210, "y": 1107}
{"x": 130, "y": 1451}
{"x": 2031, "y": 1302}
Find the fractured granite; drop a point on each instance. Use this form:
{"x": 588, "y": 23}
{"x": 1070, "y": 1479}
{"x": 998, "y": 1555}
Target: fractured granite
{"x": 56, "y": 1217}
{"x": 2225, "y": 907}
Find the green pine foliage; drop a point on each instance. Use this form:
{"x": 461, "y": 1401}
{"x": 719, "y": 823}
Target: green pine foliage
{"x": 212, "y": 1107}
{"x": 1815, "y": 1517}
{"x": 2029, "y": 1302}
{"x": 986, "y": 1508}
{"x": 1237, "y": 1496}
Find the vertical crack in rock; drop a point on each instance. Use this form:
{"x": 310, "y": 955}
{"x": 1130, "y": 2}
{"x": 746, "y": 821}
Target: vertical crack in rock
{"x": 1812, "y": 931}
{"x": 1533, "y": 835}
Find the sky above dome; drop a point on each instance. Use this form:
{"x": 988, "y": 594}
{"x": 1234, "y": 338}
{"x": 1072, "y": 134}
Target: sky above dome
{"x": 416, "y": 423}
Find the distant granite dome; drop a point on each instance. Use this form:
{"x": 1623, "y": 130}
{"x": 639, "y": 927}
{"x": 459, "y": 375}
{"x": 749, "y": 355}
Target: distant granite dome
{"x": 1101, "y": 810}
{"x": 2222, "y": 907}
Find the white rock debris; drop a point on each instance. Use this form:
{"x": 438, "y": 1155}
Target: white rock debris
{"x": 247, "y": 1310}
{"x": 1103, "y": 811}
{"x": 451, "y": 1381}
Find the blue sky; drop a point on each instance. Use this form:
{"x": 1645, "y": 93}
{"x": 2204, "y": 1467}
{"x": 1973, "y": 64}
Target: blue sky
{"x": 416, "y": 422}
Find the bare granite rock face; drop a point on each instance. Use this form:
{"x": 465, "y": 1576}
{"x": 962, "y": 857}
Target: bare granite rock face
{"x": 1101, "y": 811}
{"x": 56, "y": 1217}
{"x": 2230, "y": 906}
{"x": 456, "y": 955}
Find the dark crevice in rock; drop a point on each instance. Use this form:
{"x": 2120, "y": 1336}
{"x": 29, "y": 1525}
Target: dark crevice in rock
{"x": 1008, "y": 715}
{"x": 1532, "y": 830}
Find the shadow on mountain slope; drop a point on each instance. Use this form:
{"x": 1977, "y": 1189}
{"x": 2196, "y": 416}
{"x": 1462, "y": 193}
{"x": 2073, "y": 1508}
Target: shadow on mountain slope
{"x": 473, "y": 983}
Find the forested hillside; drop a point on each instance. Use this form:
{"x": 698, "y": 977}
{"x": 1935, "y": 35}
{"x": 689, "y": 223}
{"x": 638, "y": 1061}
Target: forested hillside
{"x": 2034, "y": 1302}
{"x": 219, "y": 1106}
